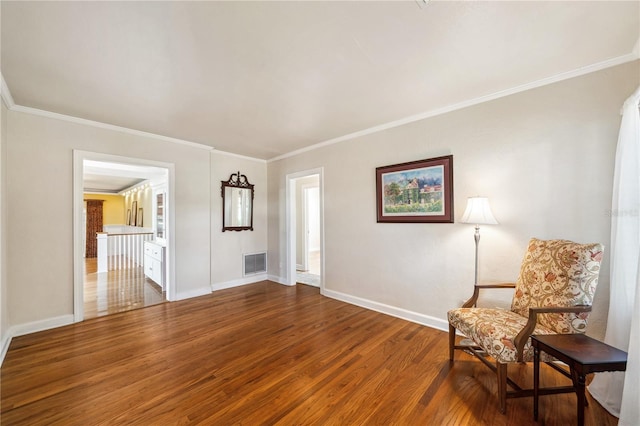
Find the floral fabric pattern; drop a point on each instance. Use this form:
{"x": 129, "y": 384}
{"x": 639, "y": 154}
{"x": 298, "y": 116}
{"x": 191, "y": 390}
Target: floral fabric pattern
{"x": 556, "y": 273}
{"x": 495, "y": 330}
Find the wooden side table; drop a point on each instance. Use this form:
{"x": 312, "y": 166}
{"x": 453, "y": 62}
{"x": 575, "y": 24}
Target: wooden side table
{"x": 582, "y": 354}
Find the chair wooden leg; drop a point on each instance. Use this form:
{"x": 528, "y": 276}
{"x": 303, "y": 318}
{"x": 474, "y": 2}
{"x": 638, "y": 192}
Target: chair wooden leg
{"x": 501, "y": 370}
{"x": 452, "y": 341}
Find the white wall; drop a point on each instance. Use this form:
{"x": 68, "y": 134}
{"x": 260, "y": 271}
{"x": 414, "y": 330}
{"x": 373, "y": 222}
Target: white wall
{"x": 544, "y": 158}
{"x": 228, "y": 247}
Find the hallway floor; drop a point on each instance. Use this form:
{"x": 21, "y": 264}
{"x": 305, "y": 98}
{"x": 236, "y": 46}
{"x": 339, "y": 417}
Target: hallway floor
{"x": 312, "y": 275}
{"x": 117, "y": 291}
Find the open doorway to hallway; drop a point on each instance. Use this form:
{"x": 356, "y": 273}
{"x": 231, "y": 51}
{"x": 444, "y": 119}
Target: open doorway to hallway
{"x": 308, "y": 231}
{"x": 308, "y": 255}
{"x": 125, "y": 236}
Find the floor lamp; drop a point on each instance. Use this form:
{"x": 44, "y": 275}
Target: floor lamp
{"x": 478, "y": 213}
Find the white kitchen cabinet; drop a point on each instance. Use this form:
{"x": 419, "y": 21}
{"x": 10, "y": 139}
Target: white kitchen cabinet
{"x": 154, "y": 262}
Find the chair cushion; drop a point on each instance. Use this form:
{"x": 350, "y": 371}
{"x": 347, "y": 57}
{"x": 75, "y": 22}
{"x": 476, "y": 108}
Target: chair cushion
{"x": 558, "y": 273}
{"x": 495, "y": 331}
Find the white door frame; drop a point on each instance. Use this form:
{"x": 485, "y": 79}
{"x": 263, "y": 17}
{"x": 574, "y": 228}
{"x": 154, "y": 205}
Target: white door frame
{"x": 290, "y": 220}
{"x": 78, "y": 231}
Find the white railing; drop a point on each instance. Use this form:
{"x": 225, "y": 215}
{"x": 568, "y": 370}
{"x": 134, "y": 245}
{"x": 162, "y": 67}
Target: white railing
{"x": 121, "y": 247}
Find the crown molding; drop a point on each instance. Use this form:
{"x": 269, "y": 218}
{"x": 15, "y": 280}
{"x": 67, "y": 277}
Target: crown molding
{"x": 634, "y": 55}
{"x": 6, "y": 94}
{"x": 91, "y": 123}
{"x": 243, "y": 157}
{"x": 76, "y": 120}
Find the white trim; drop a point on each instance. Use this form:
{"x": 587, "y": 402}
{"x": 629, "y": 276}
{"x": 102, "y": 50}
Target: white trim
{"x": 239, "y": 282}
{"x": 4, "y": 346}
{"x": 40, "y": 325}
{"x": 6, "y": 93}
{"x": 78, "y": 236}
{"x": 202, "y": 291}
{"x": 429, "y": 321}
{"x": 279, "y": 280}
{"x": 243, "y": 157}
{"x": 69, "y": 118}
{"x": 460, "y": 105}
{"x": 31, "y": 327}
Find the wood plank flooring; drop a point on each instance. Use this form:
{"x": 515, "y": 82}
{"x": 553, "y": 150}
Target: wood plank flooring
{"x": 261, "y": 354}
{"x": 117, "y": 290}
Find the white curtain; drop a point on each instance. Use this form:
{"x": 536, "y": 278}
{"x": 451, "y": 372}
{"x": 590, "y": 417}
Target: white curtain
{"x": 619, "y": 392}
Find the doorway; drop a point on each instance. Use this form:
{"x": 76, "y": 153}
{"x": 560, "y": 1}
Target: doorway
{"x": 305, "y": 228}
{"x": 127, "y": 188}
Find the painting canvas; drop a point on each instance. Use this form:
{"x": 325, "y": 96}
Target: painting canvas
{"x": 139, "y": 217}
{"x": 419, "y": 191}
{"x": 134, "y": 210}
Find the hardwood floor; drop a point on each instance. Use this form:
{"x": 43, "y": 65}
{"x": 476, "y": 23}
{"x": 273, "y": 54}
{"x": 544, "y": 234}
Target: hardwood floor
{"x": 260, "y": 354}
{"x": 117, "y": 291}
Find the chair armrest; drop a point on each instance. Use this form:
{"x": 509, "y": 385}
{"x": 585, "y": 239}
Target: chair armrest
{"x": 523, "y": 336}
{"x": 476, "y": 292}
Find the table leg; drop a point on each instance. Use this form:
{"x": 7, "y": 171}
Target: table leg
{"x": 536, "y": 380}
{"x": 581, "y": 398}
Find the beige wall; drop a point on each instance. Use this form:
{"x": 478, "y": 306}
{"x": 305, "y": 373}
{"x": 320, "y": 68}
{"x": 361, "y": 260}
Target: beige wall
{"x": 4, "y": 319}
{"x": 544, "y": 158}
{"x": 39, "y": 178}
{"x": 39, "y": 188}
{"x": 229, "y": 246}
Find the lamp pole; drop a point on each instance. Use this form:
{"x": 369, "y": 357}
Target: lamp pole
{"x": 478, "y": 213}
{"x": 476, "y": 237}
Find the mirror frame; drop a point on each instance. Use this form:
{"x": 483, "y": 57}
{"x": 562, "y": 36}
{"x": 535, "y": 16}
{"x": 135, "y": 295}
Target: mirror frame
{"x": 236, "y": 180}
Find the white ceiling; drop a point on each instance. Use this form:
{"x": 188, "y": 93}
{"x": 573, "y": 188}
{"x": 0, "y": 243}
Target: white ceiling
{"x": 110, "y": 177}
{"x": 266, "y": 78}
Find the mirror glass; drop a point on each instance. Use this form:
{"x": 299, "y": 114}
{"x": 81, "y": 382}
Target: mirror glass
{"x": 237, "y": 204}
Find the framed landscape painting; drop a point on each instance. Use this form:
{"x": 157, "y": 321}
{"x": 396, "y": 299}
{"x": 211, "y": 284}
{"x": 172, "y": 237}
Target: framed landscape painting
{"x": 419, "y": 191}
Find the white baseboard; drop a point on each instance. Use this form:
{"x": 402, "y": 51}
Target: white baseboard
{"x": 31, "y": 327}
{"x": 404, "y": 314}
{"x": 35, "y": 326}
{"x": 278, "y": 280}
{"x": 237, "y": 283}
{"x": 5, "y": 342}
{"x": 193, "y": 293}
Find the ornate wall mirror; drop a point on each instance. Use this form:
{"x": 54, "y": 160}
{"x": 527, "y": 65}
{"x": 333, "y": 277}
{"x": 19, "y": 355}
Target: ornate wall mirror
{"x": 237, "y": 204}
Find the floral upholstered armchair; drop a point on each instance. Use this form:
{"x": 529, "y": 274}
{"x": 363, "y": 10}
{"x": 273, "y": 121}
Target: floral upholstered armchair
{"x": 553, "y": 295}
